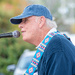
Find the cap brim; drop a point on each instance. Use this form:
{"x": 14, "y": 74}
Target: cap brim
{"x": 18, "y": 19}
{"x": 15, "y": 21}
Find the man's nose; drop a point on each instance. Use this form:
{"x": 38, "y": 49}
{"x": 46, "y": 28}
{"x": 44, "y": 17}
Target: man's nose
{"x": 20, "y": 26}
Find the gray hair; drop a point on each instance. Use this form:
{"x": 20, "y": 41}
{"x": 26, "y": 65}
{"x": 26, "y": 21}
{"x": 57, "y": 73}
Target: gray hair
{"x": 51, "y": 24}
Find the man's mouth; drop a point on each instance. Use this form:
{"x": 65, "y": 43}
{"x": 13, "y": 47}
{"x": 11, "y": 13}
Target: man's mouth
{"x": 23, "y": 32}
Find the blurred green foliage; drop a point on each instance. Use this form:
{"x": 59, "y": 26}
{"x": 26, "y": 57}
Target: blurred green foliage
{"x": 4, "y": 23}
{"x": 10, "y": 48}
{"x": 10, "y": 51}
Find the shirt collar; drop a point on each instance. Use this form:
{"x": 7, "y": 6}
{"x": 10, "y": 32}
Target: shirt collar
{"x": 52, "y": 30}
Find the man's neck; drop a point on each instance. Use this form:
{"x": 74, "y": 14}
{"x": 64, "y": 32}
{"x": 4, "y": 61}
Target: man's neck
{"x": 49, "y": 31}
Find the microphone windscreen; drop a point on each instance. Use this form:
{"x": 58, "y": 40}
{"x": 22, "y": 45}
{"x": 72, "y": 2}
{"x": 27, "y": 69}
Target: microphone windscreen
{"x": 16, "y": 34}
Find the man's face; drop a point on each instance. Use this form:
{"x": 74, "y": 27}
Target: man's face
{"x": 29, "y": 28}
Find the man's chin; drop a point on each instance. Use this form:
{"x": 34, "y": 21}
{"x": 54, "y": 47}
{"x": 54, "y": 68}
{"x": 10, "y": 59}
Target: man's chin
{"x": 25, "y": 39}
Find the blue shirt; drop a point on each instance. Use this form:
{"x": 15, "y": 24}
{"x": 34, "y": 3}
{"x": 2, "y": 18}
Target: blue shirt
{"x": 58, "y": 57}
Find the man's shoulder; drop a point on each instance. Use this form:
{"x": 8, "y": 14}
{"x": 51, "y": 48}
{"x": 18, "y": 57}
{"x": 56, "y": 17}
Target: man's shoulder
{"x": 58, "y": 40}
{"x": 58, "y": 43}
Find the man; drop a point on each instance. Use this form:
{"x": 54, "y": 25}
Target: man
{"x": 55, "y": 53}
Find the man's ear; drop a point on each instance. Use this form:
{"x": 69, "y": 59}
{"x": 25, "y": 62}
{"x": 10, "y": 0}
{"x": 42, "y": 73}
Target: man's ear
{"x": 42, "y": 21}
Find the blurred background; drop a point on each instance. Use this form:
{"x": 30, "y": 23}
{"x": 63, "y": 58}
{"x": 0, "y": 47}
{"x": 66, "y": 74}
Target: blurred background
{"x": 10, "y": 48}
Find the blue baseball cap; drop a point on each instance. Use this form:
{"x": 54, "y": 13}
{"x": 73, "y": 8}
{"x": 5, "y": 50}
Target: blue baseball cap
{"x": 32, "y": 10}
